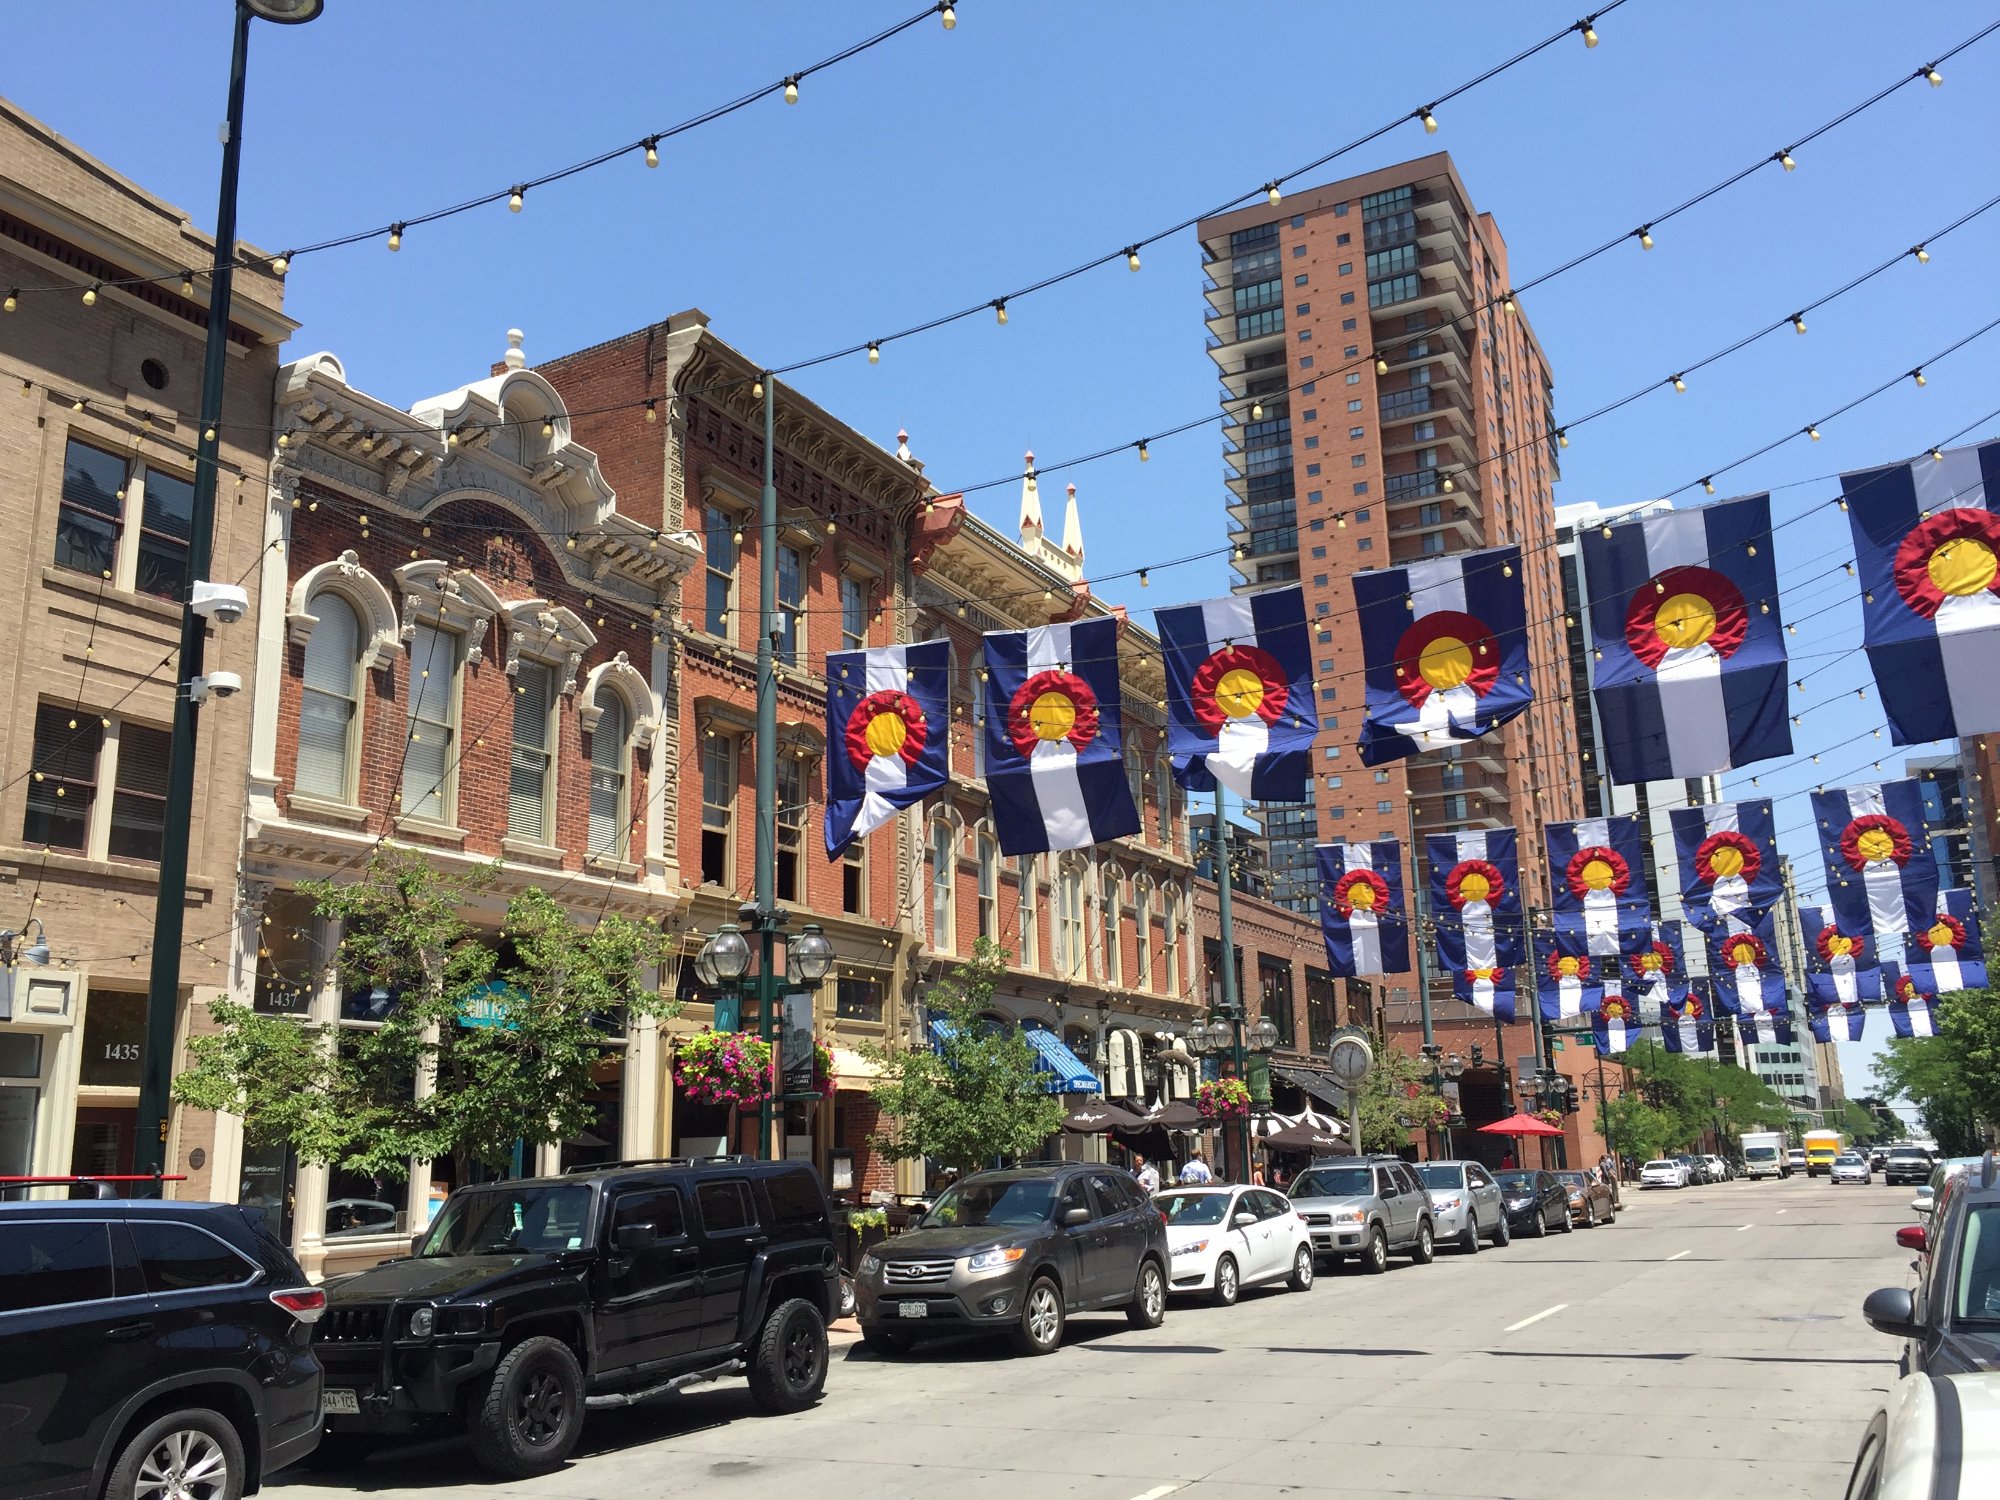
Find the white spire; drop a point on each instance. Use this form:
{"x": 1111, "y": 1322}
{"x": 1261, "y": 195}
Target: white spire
{"x": 1072, "y": 528}
{"x": 903, "y": 444}
{"x": 1031, "y": 504}
{"x": 514, "y": 359}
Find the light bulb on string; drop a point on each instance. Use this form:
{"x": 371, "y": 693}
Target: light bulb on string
{"x": 187, "y": 284}
{"x": 1645, "y": 236}
{"x": 1680, "y": 384}
{"x": 1708, "y": 484}
{"x": 1785, "y": 160}
{"x": 1813, "y": 433}
{"x": 12, "y": 301}
{"x": 90, "y": 295}
{"x": 1132, "y": 257}
{"x": 947, "y": 17}
{"x": 1933, "y": 77}
{"x": 1000, "y": 311}
{"x": 792, "y": 89}
{"x": 1918, "y": 377}
{"x": 874, "y": 354}
{"x": 1589, "y": 33}
{"x": 1923, "y": 256}
{"x": 1271, "y": 192}
{"x": 1144, "y": 455}
{"x": 395, "y": 236}
{"x": 516, "y": 199}
{"x": 1798, "y": 322}
{"x": 757, "y": 389}
{"x": 1562, "y": 437}
{"x": 652, "y": 410}
{"x": 652, "y": 151}
{"x": 281, "y": 264}
{"x": 1937, "y": 455}
{"x": 1430, "y": 120}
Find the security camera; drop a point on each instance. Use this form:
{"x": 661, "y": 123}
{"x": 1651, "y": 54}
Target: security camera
{"x": 224, "y": 603}
{"x": 214, "y": 685}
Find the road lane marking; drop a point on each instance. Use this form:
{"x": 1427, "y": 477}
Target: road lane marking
{"x": 1741, "y": 1227}
{"x": 1547, "y": 1312}
{"x": 1784, "y": 1210}
{"x": 1157, "y": 1492}
{"x": 1678, "y": 1254}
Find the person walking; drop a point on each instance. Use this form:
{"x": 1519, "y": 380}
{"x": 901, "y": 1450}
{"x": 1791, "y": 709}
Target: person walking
{"x": 1196, "y": 1172}
{"x": 1147, "y": 1173}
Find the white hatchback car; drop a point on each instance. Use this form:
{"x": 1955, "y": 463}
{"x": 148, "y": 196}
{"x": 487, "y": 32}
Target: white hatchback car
{"x": 1935, "y": 1436}
{"x": 1225, "y": 1238}
{"x": 1667, "y": 1172}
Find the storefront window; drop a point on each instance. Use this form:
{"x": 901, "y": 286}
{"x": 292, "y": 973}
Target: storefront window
{"x": 17, "y": 1127}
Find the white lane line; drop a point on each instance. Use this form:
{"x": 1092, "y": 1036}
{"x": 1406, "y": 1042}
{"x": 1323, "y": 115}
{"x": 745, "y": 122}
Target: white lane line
{"x": 1547, "y": 1312}
{"x": 1678, "y": 1254}
{"x": 1157, "y": 1492}
{"x": 1784, "y": 1210}
{"x": 1741, "y": 1227}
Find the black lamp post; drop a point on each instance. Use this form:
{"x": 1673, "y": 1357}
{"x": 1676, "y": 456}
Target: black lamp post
{"x": 169, "y": 915}
{"x": 724, "y": 963}
{"x": 1229, "y": 1030}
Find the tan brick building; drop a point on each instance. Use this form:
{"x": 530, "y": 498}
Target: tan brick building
{"x": 97, "y": 440}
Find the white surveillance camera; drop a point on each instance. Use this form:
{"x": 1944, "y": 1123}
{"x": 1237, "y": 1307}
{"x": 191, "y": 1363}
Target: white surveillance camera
{"x": 224, "y": 603}
{"x": 214, "y": 685}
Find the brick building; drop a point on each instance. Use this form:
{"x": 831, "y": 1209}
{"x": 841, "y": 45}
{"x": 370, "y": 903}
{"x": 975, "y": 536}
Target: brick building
{"x": 97, "y": 441}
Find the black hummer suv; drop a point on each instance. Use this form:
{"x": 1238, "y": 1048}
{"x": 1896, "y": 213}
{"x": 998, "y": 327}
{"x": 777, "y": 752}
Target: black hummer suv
{"x": 528, "y": 1301}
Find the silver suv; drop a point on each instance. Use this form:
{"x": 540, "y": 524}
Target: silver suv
{"x": 1366, "y": 1207}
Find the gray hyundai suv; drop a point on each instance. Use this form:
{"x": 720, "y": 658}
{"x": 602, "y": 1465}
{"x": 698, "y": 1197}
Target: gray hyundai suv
{"x": 1016, "y": 1252}
{"x": 1365, "y": 1207}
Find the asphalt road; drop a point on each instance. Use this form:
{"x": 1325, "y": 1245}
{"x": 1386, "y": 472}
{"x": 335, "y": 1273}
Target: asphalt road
{"x": 1709, "y": 1344}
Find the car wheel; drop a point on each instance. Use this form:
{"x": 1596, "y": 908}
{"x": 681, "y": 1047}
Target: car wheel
{"x": 1375, "y": 1259}
{"x": 1228, "y": 1286}
{"x": 1425, "y": 1250}
{"x": 532, "y": 1413}
{"x": 1469, "y": 1241}
{"x": 1040, "y": 1328}
{"x": 1502, "y": 1235}
{"x": 788, "y": 1369}
{"x": 1541, "y": 1225}
{"x": 1302, "y": 1270}
{"x": 185, "y": 1455}
{"x": 1148, "y": 1307}
{"x": 887, "y": 1342}
{"x": 1567, "y": 1224}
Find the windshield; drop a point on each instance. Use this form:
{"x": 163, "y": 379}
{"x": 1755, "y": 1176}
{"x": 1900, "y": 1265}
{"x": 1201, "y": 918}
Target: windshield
{"x": 1334, "y": 1182}
{"x": 508, "y": 1221}
{"x": 1517, "y": 1182}
{"x": 1977, "y": 1296}
{"x": 1441, "y": 1176}
{"x": 1909, "y": 1153}
{"x": 1192, "y": 1208}
{"x": 1664, "y": 1165}
{"x": 1572, "y": 1179}
{"x": 1849, "y": 1159}
{"x": 1760, "y": 1153}
{"x": 998, "y": 1200}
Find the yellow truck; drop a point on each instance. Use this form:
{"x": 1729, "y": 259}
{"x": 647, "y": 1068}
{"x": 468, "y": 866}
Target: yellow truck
{"x": 1822, "y": 1146}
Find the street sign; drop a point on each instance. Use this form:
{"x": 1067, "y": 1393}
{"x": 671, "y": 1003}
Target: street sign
{"x": 728, "y": 1011}
{"x": 1556, "y": 1044}
{"x": 486, "y": 1007}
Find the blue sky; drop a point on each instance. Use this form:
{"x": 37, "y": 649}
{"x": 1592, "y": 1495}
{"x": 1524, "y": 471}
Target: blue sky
{"x": 940, "y": 170}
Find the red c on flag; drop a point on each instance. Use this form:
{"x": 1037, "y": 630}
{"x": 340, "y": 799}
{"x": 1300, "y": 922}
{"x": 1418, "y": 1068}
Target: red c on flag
{"x": 886, "y": 723}
{"x": 1728, "y": 853}
{"x": 1235, "y": 683}
{"x": 1052, "y": 706}
{"x": 1952, "y": 554}
{"x": 1872, "y": 838}
{"x": 1446, "y": 649}
{"x": 1362, "y": 890}
{"x": 1686, "y": 607}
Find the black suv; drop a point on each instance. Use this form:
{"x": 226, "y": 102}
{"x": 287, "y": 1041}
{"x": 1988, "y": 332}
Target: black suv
{"x": 527, "y": 1301}
{"x": 1017, "y": 1251}
{"x": 1950, "y": 1324}
{"x": 150, "y": 1349}
{"x": 1907, "y": 1164}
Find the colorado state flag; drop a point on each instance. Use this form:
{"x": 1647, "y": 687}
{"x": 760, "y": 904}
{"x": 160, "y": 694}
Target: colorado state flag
{"x": 1476, "y": 897}
{"x": 1240, "y": 694}
{"x": 1687, "y": 1026}
{"x": 1488, "y": 987}
{"x": 1769, "y": 1028}
{"x": 1747, "y": 978}
{"x": 1927, "y": 543}
{"x": 1615, "y": 1025}
{"x": 1444, "y": 643}
{"x": 1658, "y": 971}
{"x": 1843, "y": 1021}
{"x": 1361, "y": 908}
{"x": 1598, "y": 874}
{"x": 1912, "y": 1010}
{"x": 1878, "y": 857}
{"x": 1054, "y": 763}
{"x": 1684, "y": 608}
{"x": 1729, "y": 860}
{"x": 1840, "y": 965}
{"x": 1570, "y": 985}
{"x": 887, "y": 734}
{"x": 1945, "y": 954}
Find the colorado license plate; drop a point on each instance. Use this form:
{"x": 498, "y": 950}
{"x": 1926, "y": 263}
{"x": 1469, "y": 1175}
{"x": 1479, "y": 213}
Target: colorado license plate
{"x": 340, "y": 1403}
{"x": 913, "y": 1310}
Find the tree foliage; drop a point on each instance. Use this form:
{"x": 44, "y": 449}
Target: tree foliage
{"x": 1397, "y": 1097}
{"x": 975, "y": 1096}
{"x": 1673, "y": 1099}
{"x": 427, "y": 1083}
{"x": 1952, "y": 1078}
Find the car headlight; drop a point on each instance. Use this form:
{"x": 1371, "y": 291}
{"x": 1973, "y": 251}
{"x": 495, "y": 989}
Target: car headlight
{"x": 1349, "y": 1216}
{"x": 470, "y": 1318}
{"x": 1445, "y": 1205}
{"x": 1192, "y": 1247}
{"x": 993, "y": 1260}
{"x": 870, "y": 1264}
{"x": 1576, "y": 1200}
{"x": 423, "y": 1322}
{"x": 1519, "y": 1202}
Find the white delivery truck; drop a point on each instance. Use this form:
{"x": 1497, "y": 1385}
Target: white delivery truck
{"x": 1764, "y": 1153}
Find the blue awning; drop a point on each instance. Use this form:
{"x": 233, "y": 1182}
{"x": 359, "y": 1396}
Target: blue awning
{"x": 1067, "y": 1075}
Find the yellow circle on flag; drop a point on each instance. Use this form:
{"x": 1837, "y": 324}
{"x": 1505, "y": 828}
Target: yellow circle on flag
{"x": 1240, "y": 693}
{"x": 1361, "y": 894}
{"x": 1963, "y": 565}
{"x": 1942, "y": 936}
{"x": 1569, "y": 967}
{"x": 1840, "y": 945}
{"x": 1726, "y": 861}
{"x": 1473, "y": 886}
{"x": 1742, "y": 953}
{"x": 886, "y": 733}
{"x": 1875, "y": 843}
{"x": 1446, "y": 662}
{"x": 1684, "y": 620}
{"x": 1053, "y": 716}
{"x": 1598, "y": 874}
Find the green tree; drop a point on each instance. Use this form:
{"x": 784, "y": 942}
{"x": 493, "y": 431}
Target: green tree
{"x": 1640, "y": 1129}
{"x": 1396, "y": 1098}
{"x": 1930, "y": 1073}
{"x": 976, "y": 1095}
{"x": 504, "y": 1042}
{"x": 1695, "y": 1094}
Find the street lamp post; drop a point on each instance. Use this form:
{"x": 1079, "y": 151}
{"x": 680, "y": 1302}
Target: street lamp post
{"x": 1229, "y": 1030}
{"x": 169, "y": 914}
{"x": 724, "y": 964}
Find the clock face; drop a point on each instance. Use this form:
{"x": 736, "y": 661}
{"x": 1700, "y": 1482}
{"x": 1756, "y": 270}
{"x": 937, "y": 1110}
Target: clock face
{"x": 1350, "y": 1060}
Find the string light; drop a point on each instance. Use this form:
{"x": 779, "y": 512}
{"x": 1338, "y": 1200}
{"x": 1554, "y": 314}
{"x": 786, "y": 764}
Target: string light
{"x": 281, "y": 263}
{"x": 1645, "y": 236}
{"x": 1000, "y": 311}
{"x": 1589, "y": 31}
{"x": 652, "y": 151}
{"x": 187, "y": 283}
{"x": 1680, "y": 383}
{"x": 90, "y": 294}
{"x": 757, "y": 389}
{"x": 395, "y": 236}
{"x": 1562, "y": 437}
{"x": 792, "y": 89}
{"x": 1813, "y": 433}
{"x": 1381, "y": 365}
{"x": 1709, "y": 484}
{"x": 13, "y": 299}
{"x": 652, "y": 411}
{"x": 1271, "y": 192}
{"x": 1510, "y": 304}
{"x": 1429, "y": 118}
{"x": 1933, "y": 77}
{"x": 1937, "y": 455}
{"x": 1132, "y": 257}
{"x": 1798, "y": 322}
{"x": 1785, "y": 160}
{"x": 948, "y": 17}
{"x": 516, "y": 197}
{"x": 1918, "y": 377}
{"x": 1144, "y": 454}
{"x": 874, "y": 354}
{"x": 1923, "y": 256}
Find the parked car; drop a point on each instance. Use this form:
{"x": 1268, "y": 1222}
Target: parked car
{"x": 1696, "y": 1172}
{"x": 1589, "y": 1200}
{"x": 1933, "y": 1438}
{"x": 1851, "y": 1166}
{"x": 1950, "y": 1321}
{"x": 1795, "y": 1159}
{"x": 1465, "y": 1203}
{"x": 1535, "y": 1200}
{"x": 1015, "y": 1252}
{"x": 1716, "y": 1169}
{"x": 151, "y": 1350}
{"x": 1878, "y": 1159}
{"x": 1367, "y": 1207}
{"x": 528, "y": 1301}
{"x": 1223, "y": 1239}
{"x": 1664, "y": 1172}
{"x": 1902, "y": 1165}
{"x": 1933, "y": 1186}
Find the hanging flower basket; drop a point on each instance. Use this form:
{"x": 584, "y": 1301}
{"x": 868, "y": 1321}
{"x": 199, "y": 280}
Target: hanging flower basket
{"x": 823, "y": 1069}
{"x": 1223, "y": 1099}
{"x": 724, "y": 1067}
{"x": 1549, "y": 1116}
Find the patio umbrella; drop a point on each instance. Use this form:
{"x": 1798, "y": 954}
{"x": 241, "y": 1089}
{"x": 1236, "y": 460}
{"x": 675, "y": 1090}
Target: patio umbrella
{"x": 1309, "y": 1138}
{"x": 1098, "y": 1116}
{"x": 1519, "y": 1125}
{"x": 1175, "y": 1116}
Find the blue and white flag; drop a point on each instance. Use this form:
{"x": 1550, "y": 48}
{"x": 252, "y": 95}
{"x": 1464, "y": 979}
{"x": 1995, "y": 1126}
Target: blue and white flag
{"x": 888, "y": 735}
{"x": 1476, "y": 898}
{"x": 1912, "y": 1009}
{"x": 1240, "y": 694}
{"x": 1728, "y": 858}
{"x": 1771, "y": 1028}
{"x": 1571, "y": 985}
{"x": 1927, "y": 543}
{"x": 1658, "y": 972}
{"x": 1598, "y": 874}
{"x": 1841, "y": 967}
{"x": 1843, "y": 1021}
{"x": 1684, "y": 613}
{"x": 1946, "y": 954}
{"x": 1688, "y": 1027}
{"x": 1616, "y": 1025}
{"x": 1878, "y": 857}
{"x": 1489, "y": 988}
{"x": 1361, "y": 908}
{"x": 1745, "y": 968}
{"x": 1444, "y": 645}
{"x": 1055, "y": 764}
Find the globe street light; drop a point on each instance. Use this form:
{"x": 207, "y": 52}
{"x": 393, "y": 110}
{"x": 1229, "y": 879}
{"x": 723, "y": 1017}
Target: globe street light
{"x": 809, "y": 955}
{"x": 728, "y": 953}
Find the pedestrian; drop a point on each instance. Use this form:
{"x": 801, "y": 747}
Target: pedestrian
{"x": 1147, "y": 1173}
{"x": 1257, "y": 1175}
{"x": 1279, "y": 1176}
{"x": 1196, "y": 1171}
{"x": 1506, "y": 1161}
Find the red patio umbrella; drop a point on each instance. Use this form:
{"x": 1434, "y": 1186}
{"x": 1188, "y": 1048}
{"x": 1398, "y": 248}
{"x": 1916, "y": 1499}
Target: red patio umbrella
{"x": 1518, "y": 1125}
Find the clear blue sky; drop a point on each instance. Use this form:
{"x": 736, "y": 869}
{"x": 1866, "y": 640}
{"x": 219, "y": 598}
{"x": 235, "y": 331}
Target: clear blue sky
{"x": 943, "y": 169}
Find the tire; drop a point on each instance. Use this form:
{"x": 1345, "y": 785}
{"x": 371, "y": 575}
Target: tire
{"x": 1228, "y": 1282}
{"x": 1424, "y": 1251}
{"x": 532, "y": 1412}
{"x": 1039, "y": 1329}
{"x": 1568, "y": 1227}
{"x": 1502, "y": 1235}
{"x": 1303, "y": 1270}
{"x": 886, "y": 1342}
{"x": 1148, "y": 1307}
{"x": 788, "y": 1363}
{"x": 1375, "y": 1259}
{"x": 196, "y": 1452}
{"x": 1469, "y": 1241}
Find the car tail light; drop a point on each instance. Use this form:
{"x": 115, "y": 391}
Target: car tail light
{"x": 1163, "y": 1217}
{"x": 305, "y": 1303}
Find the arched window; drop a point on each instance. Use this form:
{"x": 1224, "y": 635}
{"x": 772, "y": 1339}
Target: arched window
{"x": 1107, "y": 913}
{"x": 1170, "y": 904}
{"x": 330, "y": 702}
{"x": 1029, "y": 907}
{"x": 989, "y": 887}
{"x": 1142, "y": 901}
{"x": 1069, "y": 943}
{"x": 944, "y": 871}
{"x": 609, "y": 782}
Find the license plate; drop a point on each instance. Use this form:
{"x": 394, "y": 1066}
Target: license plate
{"x": 340, "y": 1403}
{"x": 913, "y": 1309}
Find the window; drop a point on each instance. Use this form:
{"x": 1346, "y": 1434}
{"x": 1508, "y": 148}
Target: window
{"x": 1274, "y": 986}
{"x": 858, "y": 1000}
{"x": 1382, "y": 807}
{"x": 427, "y": 748}
{"x": 1392, "y": 262}
{"x": 1164, "y": 804}
{"x": 50, "y": 1262}
{"x": 1069, "y": 949}
{"x": 1354, "y": 377}
{"x": 1343, "y": 239}
{"x": 69, "y": 766}
{"x": 1135, "y": 775}
{"x": 1362, "y": 514}
{"x": 1029, "y": 910}
{"x": 719, "y": 542}
{"x": 1353, "y": 406}
{"x": 725, "y": 1207}
{"x": 90, "y": 516}
{"x": 718, "y": 806}
{"x": 330, "y": 702}
{"x": 63, "y": 787}
{"x": 1142, "y": 921}
{"x": 854, "y": 879}
{"x": 91, "y": 535}
{"x": 1361, "y": 488}
{"x": 1298, "y": 252}
{"x": 528, "y": 780}
{"x": 1319, "y": 1010}
{"x": 1170, "y": 907}
{"x": 791, "y": 605}
{"x": 1382, "y": 778}
{"x": 989, "y": 888}
{"x": 1364, "y": 544}
{"x": 791, "y": 820}
{"x": 655, "y": 1266}
{"x": 1347, "y": 268}
{"x": 853, "y": 613}
{"x": 1433, "y": 544}
{"x": 139, "y": 801}
{"x": 181, "y": 1258}
{"x": 1304, "y": 309}
{"x": 1347, "y": 298}
{"x": 944, "y": 871}
{"x": 1258, "y": 324}
{"x": 609, "y": 818}
{"x": 1455, "y": 805}
{"x": 1107, "y": 915}
{"x": 165, "y": 527}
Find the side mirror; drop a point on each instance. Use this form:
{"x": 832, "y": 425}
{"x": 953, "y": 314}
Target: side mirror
{"x": 1890, "y": 1310}
{"x": 1913, "y": 1237}
{"x": 417, "y": 1242}
{"x": 1074, "y": 1216}
{"x": 1244, "y": 1221}
{"x": 634, "y": 1237}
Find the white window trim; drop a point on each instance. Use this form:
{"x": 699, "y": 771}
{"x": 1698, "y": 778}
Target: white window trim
{"x": 942, "y": 880}
{"x": 435, "y": 593}
{"x": 551, "y": 633}
{"x": 630, "y": 684}
{"x": 361, "y": 590}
